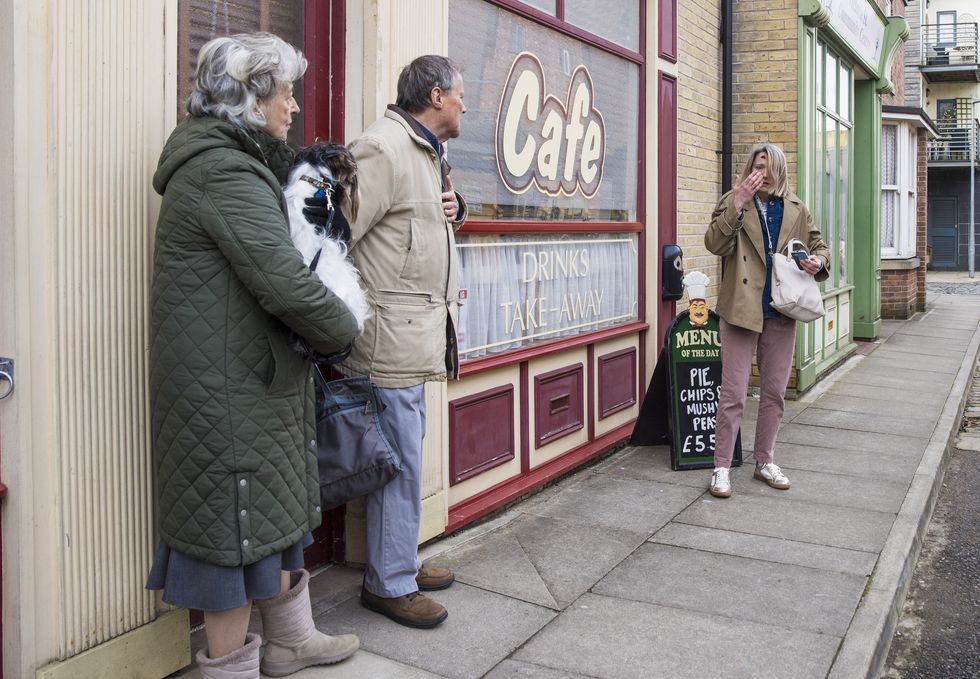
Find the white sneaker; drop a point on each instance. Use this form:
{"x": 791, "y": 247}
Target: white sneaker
{"x": 772, "y": 475}
{"x": 721, "y": 486}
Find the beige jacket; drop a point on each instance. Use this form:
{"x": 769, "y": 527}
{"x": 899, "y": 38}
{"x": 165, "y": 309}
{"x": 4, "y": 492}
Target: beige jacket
{"x": 405, "y": 249}
{"x": 740, "y": 243}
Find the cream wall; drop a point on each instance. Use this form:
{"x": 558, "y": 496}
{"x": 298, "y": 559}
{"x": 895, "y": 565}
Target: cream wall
{"x": 89, "y": 103}
{"x": 383, "y": 36}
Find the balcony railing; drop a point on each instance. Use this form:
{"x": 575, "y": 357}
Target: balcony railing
{"x": 953, "y": 146}
{"x": 949, "y": 44}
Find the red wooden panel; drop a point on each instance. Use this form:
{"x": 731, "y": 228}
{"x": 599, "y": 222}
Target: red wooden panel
{"x": 617, "y": 381}
{"x": 666, "y": 185}
{"x": 481, "y": 432}
{"x": 558, "y": 404}
{"x": 667, "y": 30}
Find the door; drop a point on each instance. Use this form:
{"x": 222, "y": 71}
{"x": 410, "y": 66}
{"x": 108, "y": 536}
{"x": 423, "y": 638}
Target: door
{"x": 943, "y": 232}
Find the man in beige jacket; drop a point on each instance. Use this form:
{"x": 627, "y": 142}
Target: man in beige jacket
{"x": 403, "y": 244}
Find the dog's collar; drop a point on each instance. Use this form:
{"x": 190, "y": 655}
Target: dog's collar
{"x": 319, "y": 183}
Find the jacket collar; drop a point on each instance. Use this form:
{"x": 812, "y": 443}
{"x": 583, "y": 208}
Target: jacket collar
{"x": 414, "y": 129}
{"x": 792, "y": 206}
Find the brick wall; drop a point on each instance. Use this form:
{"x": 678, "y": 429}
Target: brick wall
{"x": 898, "y": 293}
{"x": 765, "y": 70}
{"x": 698, "y": 131}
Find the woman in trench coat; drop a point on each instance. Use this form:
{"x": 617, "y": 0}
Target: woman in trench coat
{"x": 751, "y": 222}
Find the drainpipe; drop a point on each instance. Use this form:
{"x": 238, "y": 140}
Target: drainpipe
{"x": 972, "y": 249}
{"x": 726, "y": 95}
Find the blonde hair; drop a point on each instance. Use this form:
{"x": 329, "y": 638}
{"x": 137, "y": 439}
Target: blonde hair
{"x": 777, "y": 167}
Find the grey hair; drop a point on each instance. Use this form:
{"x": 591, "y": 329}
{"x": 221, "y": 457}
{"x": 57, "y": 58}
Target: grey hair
{"x": 417, "y": 80}
{"x": 235, "y": 72}
{"x": 777, "y": 167}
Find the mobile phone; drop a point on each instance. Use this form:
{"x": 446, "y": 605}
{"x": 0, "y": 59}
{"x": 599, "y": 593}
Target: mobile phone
{"x": 800, "y": 256}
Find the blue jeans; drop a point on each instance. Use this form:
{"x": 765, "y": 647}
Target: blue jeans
{"x": 394, "y": 511}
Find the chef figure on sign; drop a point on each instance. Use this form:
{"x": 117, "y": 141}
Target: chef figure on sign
{"x": 696, "y": 284}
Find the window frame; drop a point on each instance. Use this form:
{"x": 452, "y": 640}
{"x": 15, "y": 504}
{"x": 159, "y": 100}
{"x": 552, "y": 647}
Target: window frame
{"x": 501, "y": 227}
{"x": 905, "y": 189}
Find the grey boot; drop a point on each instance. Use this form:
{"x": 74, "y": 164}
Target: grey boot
{"x": 240, "y": 664}
{"x": 293, "y": 642}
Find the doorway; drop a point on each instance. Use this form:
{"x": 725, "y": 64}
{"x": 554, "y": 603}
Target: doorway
{"x": 943, "y": 230}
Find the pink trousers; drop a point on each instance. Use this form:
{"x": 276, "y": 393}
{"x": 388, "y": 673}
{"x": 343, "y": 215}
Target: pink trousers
{"x": 774, "y": 346}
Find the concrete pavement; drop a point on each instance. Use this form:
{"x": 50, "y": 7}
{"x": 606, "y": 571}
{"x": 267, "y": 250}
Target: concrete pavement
{"x": 629, "y": 569}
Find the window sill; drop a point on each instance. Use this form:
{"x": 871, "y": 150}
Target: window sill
{"x": 895, "y": 263}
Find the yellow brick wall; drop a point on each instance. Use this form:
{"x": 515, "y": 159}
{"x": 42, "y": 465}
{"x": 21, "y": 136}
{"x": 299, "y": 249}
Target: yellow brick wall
{"x": 698, "y": 131}
{"x": 765, "y": 73}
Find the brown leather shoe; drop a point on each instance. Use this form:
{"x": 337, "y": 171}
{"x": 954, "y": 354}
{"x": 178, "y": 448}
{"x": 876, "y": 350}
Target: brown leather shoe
{"x": 411, "y": 610}
{"x": 432, "y": 578}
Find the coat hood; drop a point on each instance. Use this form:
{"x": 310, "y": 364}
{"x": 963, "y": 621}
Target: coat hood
{"x": 196, "y": 135}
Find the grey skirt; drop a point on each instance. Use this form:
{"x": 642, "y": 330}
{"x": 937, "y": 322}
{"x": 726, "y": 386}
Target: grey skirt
{"x": 191, "y": 583}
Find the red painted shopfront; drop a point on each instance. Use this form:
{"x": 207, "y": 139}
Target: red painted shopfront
{"x": 552, "y": 160}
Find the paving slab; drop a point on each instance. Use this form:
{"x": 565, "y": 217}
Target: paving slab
{"x": 777, "y": 550}
{"x": 828, "y": 437}
{"x": 921, "y": 346}
{"x": 887, "y": 394}
{"x": 483, "y": 628}
{"x": 652, "y": 463}
{"x": 959, "y": 335}
{"x": 840, "y": 490}
{"x": 619, "y": 503}
{"x": 780, "y": 516}
{"x": 882, "y": 424}
{"x": 897, "y": 467}
{"x": 513, "y": 669}
{"x": 780, "y": 594}
{"x": 334, "y": 585}
{"x": 934, "y": 383}
{"x": 620, "y": 639}
{"x": 550, "y": 562}
{"x": 926, "y": 410}
{"x": 887, "y": 362}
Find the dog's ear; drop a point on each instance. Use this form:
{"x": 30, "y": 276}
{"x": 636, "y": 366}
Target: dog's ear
{"x": 353, "y": 197}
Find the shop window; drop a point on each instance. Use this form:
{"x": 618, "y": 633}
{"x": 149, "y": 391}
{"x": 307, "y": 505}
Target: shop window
{"x": 835, "y": 85}
{"x": 519, "y": 290}
{"x": 544, "y": 5}
{"x": 514, "y": 160}
{"x": 615, "y": 20}
{"x": 201, "y": 20}
{"x": 898, "y": 195}
{"x": 548, "y": 160}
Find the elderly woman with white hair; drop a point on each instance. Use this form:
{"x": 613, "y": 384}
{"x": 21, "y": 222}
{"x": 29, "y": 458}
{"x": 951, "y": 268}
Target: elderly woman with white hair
{"x": 751, "y": 222}
{"x": 232, "y": 405}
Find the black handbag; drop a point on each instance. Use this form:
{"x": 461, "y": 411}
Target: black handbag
{"x": 354, "y": 456}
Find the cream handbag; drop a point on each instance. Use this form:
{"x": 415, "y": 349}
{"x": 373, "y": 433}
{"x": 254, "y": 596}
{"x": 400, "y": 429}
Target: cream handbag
{"x": 795, "y": 293}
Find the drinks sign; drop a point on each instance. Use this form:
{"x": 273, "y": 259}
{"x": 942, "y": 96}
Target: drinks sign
{"x": 558, "y": 146}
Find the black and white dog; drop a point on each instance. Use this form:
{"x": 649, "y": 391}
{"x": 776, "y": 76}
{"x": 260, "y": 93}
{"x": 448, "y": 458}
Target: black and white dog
{"x": 321, "y": 234}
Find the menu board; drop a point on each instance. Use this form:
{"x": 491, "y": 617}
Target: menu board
{"x": 694, "y": 387}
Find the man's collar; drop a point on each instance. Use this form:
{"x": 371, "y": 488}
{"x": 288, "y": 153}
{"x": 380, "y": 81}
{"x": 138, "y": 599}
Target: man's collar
{"x": 417, "y": 127}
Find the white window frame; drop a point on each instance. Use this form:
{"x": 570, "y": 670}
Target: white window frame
{"x": 905, "y": 189}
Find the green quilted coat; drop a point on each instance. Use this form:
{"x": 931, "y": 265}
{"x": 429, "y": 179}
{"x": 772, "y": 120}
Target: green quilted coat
{"x": 231, "y": 399}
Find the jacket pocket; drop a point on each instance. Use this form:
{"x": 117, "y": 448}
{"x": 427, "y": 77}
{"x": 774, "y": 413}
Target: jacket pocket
{"x": 414, "y": 252}
{"x": 410, "y": 338}
{"x": 290, "y": 370}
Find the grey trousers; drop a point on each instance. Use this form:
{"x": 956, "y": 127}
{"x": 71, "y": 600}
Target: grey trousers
{"x": 394, "y": 511}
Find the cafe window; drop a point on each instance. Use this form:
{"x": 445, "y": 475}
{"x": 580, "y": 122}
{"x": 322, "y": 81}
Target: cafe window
{"x": 199, "y": 21}
{"x": 548, "y": 161}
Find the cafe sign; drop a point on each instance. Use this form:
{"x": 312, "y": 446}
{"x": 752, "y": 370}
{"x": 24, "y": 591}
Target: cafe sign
{"x": 556, "y": 145}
